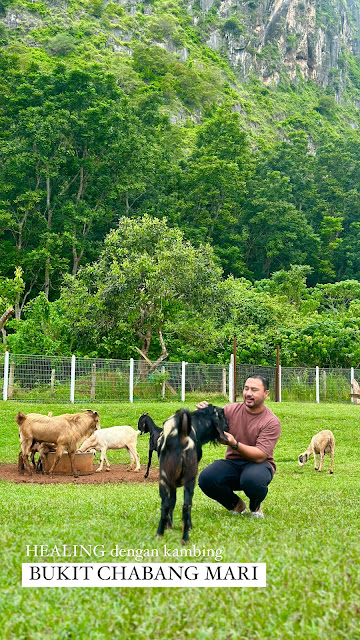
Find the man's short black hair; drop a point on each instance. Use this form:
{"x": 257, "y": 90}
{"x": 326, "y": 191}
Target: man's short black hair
{"x": 264, "y": 380}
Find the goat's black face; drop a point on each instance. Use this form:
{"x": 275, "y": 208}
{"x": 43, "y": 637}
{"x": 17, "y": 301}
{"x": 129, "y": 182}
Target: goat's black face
{"x": 221, "y": 423}
{"x": 142, "y": 424}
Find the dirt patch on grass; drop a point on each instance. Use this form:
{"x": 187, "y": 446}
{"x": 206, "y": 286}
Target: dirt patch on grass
{"x": 117, "y": 473}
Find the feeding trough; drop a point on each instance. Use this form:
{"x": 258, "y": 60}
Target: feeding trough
{"x": 84, "y": 463}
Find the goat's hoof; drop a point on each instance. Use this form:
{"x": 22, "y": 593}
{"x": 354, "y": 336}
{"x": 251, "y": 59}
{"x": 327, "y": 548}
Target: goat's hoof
{"x": 331, "y": 472}
{"x": 184, "y": 542}
{"x": 98, "y": 470}
{"x": 137, "y": 470}
{"x": 107, "y": 469}
{"x": 146, "y": 475}
{"x": 159, "y": 537}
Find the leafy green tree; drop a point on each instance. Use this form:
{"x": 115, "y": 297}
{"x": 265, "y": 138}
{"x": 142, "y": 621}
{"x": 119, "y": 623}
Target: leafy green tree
{"x": 145, "y": 275}
{"x": 278, "y": 233}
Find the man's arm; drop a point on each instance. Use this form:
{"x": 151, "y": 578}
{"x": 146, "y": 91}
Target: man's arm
{"x": 246, "y": 451}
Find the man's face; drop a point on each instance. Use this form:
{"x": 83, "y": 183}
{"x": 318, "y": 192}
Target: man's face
{"x": 254, "y": 394}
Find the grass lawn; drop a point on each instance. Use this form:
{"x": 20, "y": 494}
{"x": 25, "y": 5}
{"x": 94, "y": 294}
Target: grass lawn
{"x": 309, "y": 541}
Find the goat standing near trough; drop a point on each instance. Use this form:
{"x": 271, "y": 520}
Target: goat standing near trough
{"x": 179, "y": 448}
{"x": 65, "y": 431}
{"x": 322, "y": 443}
{"x": 147, "y": 425}
{"x": 119, "y": 437}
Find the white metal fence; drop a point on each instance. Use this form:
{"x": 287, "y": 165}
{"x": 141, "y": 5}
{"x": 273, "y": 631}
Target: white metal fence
{"x": 64, "y": 379}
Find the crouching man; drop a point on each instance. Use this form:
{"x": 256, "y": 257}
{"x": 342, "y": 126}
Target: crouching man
{"x": 249, "y": 464}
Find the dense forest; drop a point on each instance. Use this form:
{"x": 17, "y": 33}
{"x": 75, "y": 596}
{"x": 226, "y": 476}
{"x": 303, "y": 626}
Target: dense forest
{"x": 155, "y": 198}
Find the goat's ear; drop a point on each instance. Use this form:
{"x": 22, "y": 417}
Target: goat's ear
{"x": 94, "y": 413}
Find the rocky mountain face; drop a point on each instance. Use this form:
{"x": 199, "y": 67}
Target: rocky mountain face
{"x": 270, "y": 39}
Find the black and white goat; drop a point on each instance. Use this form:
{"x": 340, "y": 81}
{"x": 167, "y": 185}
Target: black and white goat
{"x": 209, "y": 424}
{"x": 147, "y": 425}
{"x": 179, "y": 448}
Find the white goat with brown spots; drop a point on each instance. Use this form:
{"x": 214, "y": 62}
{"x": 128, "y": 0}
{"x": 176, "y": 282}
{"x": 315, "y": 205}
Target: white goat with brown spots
{"x": 322, "y": 443}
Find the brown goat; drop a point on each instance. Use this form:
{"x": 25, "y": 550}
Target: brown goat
{"x": 66, "y": 431}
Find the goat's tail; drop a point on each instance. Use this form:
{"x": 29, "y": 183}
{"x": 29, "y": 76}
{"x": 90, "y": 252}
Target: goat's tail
{"x": 185, "y": 424}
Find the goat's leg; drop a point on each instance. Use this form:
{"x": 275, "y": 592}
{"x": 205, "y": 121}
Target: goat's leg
{"x": 32, "y": 458}
{"x": 332, "y": 461}
{"x": 40, "y": 465}
{"x": 107, "y": 462}
{"x": 21, "y": 465}
{"x": 172, "y": 503}
{"x": 186, "y": 513}
{"x": 149, "y": 463}
{"x": 58, "y": 453}
{"x": 132, "y": 457}
{"x": 166, "y": 494}
{"x": 102, "y": 458}
{"x": 315, "y": 467}
{"x": 72, "y": 463}
{"x": 25, "y": 450}
{"x": 135, "y": 456}
{"x": 321, "y": 460}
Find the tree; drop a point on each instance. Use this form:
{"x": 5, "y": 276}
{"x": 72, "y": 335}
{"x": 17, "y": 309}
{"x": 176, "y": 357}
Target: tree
{"x": 145, "y": 275}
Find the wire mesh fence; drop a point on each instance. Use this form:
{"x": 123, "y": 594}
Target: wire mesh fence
{"x": 63, "y": 379}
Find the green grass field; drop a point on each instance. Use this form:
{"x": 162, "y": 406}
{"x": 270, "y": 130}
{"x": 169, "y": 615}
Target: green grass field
{"x": 309, "y": 541}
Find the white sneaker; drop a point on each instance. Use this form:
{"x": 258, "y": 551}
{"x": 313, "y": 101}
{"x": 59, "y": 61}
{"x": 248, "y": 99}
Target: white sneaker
{"x": 239, "y": 513}
{"x": 257, "y": 514}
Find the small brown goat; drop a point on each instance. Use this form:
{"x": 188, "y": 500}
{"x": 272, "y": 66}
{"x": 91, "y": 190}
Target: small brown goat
{"x": 322, "y": 442}
{"x": 66, "y": 431}
{"x": 42, "y": 448}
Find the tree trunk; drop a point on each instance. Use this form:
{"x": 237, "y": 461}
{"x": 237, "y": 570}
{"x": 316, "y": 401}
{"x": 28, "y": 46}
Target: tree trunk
{"x": 47, "y": 277}
{"x": 5, "y": 317}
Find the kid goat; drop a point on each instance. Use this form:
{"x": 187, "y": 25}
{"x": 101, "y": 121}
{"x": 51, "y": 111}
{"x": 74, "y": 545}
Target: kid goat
{"x": 179, "y": 448}
{"x": 147, "y": 425}
{"x": 322, "y": 442}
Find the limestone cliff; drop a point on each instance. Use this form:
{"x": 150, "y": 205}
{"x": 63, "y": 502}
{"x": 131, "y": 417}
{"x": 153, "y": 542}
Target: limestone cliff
{"x": 271, "y": 39}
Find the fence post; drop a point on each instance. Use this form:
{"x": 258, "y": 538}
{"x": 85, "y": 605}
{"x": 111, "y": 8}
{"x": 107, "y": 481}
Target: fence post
{"x": 231, "y": 379}
{"x": 279, "y": 382}
{"x": 72, "y": 379}
{"x": 317, "y": 379}
{"x": 324, "y": 383}
{"x": 11, "y": 380}
{"x": 6, "y": 375}
{"x": 183, "y": 381}
{"x": 52, "y": 380}
{"x": 224, "y": 382}
{"x": 163, "y": 384}
{"x": 93, "y": 381}
{"x": 352, "y": 376}
{"x": 131, "y": 381}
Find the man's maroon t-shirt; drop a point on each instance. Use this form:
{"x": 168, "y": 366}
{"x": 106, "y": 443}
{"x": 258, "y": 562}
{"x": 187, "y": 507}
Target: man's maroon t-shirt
{"x": 261, "y": 430}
